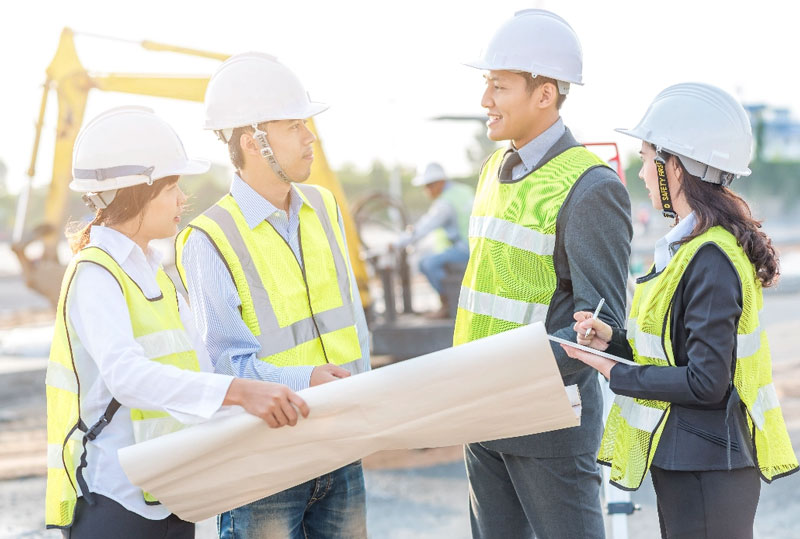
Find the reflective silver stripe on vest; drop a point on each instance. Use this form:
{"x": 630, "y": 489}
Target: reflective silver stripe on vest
{"x": 153, "y": 427}
{"x": 61, "y": 377}
{"x": 273, "y": 338}
{"x": 511, "y": 310}
{"x": 749, "y": 343}
{"x": 649, "y": 345}
{"x": 512, "y": 234}
{"x": 165, "y": 342}
{"x": 766, "y": 400}
{"x": 54, "y": 452}
{"x": 646, "y": 344}
{"x": 637, "y": 416}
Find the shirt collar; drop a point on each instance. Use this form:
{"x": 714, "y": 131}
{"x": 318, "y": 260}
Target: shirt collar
{"x": 663, "y": 252}
{"x": 256, "y": 208}
{"x": 534, "y": 151}
{"x": 121, "y": 247}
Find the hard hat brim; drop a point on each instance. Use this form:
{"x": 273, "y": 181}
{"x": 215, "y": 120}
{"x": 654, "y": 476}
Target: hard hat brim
{"x": 479, "y": 64}
{"x": 194, "y": 166}
{"x": 694, "y": 165}
{"x": 421, "y": 181}
{"x": 629, "y": 132}
{"x": 483, "y": 65}
{"x": 312, "y": 109}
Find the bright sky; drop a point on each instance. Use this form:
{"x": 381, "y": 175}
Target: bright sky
{"x": 387, "y": 68}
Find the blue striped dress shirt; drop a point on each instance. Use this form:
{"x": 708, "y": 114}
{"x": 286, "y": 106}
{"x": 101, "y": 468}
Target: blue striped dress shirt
{"x": 535, "y": 150}
{"x": 215, "y": 302}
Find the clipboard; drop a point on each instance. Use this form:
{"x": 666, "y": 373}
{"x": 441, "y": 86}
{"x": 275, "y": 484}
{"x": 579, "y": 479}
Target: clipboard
{"x": 593, "y": 351}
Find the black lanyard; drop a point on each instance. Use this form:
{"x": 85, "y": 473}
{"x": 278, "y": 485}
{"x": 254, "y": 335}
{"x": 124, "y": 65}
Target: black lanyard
{"x": 663, "y": 187}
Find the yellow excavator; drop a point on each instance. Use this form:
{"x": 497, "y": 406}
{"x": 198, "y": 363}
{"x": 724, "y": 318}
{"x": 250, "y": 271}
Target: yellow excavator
{"x": 72, "y": 84}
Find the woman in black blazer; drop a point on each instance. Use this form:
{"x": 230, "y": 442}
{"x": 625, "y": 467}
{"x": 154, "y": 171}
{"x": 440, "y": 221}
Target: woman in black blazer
{"x": 699, "y": 409}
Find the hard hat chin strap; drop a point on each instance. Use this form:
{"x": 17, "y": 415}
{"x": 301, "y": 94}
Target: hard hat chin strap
{"x": 99, "y": 201}
{"x": 267, "y": 153}
{"x": 663, "y": 187}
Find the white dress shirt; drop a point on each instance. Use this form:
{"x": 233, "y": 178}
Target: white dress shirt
{"x": 663, "y": 252}
{"x": 99, "y": 325}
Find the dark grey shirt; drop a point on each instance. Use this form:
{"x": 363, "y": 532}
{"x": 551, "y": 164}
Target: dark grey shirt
{"x": 706, "y": 308}
{"x": 592, "y": 251}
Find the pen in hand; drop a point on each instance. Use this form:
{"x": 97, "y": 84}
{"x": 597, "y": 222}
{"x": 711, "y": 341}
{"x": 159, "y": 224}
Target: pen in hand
{"x": 596, "y": 312}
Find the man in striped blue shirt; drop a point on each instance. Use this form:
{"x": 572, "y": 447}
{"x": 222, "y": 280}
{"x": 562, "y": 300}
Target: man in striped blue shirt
{"x": 263, "y": 315}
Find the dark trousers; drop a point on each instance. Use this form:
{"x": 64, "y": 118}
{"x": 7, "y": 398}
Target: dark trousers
{"x": 526, "y": 497}
{"x": 710, "y": 505}
{"x": 106, "y": 519}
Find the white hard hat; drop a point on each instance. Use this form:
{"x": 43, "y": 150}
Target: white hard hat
{"x": 538, "y": 42}
{"x": 433, "y": 173}
{"x": 127, "y": 146}
{"x": 704, "y": 126}
{"x": 252, "y": 88}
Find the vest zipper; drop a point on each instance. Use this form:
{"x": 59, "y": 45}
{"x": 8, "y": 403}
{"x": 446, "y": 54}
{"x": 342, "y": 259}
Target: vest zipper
{"x": 305, "y": 282}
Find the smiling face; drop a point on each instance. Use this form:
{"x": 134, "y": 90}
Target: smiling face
{"x": 162, "y": 214}
{"x": 517, "y": 112}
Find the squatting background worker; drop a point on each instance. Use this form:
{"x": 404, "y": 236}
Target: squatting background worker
{"x": 448, "y": 220}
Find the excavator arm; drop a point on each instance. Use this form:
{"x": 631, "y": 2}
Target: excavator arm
{"x": 72, "y": 83}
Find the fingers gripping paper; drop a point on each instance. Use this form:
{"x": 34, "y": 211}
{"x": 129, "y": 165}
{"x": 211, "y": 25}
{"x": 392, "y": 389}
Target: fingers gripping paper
{"x": 498, "y": 387}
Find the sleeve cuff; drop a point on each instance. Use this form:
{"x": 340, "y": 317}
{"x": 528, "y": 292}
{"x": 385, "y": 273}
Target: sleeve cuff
{"x": 619, "y": 344}
{"x": 213, "y": 388}
{"x": 296, "y": 378}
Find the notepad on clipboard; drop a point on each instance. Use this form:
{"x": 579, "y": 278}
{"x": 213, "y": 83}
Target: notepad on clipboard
{"x": 593, "y": 351}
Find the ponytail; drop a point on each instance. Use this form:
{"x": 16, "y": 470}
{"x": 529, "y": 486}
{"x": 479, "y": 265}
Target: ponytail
{"x": 78, "y": 234}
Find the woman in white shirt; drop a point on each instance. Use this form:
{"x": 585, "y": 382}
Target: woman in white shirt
{"x": 126, "y": 362}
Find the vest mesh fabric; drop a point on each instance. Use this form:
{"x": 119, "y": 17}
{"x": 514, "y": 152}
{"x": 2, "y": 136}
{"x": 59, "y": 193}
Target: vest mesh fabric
{"x": 634, "y": 426}
{"x": 510, "y": 278}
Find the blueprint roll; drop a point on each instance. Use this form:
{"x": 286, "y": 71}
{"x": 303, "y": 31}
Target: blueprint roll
{"x": 502, "y": 386}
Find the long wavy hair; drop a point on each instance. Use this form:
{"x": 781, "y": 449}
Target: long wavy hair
{"x": 717, "y": 205}
{"x": 127, "y": 204}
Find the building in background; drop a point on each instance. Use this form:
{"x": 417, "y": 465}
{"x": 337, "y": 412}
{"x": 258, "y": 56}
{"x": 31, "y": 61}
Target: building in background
{"x": 776, "y": 133}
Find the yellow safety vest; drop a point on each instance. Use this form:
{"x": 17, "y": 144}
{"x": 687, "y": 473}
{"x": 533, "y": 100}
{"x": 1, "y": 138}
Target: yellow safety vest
{"x": 510, "y": 277}
{"x": 634, "y": 426}
{"x": 300, "y": 315}
{"x": 461, "y": 197}
{"x": 157, "y": 327}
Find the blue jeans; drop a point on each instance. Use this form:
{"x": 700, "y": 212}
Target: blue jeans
{"x": 433, "y": 266}
{"x": 332, "y": 506}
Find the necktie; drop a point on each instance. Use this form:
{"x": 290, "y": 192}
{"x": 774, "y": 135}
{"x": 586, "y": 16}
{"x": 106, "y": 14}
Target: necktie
{"x": 510, "y": 160}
